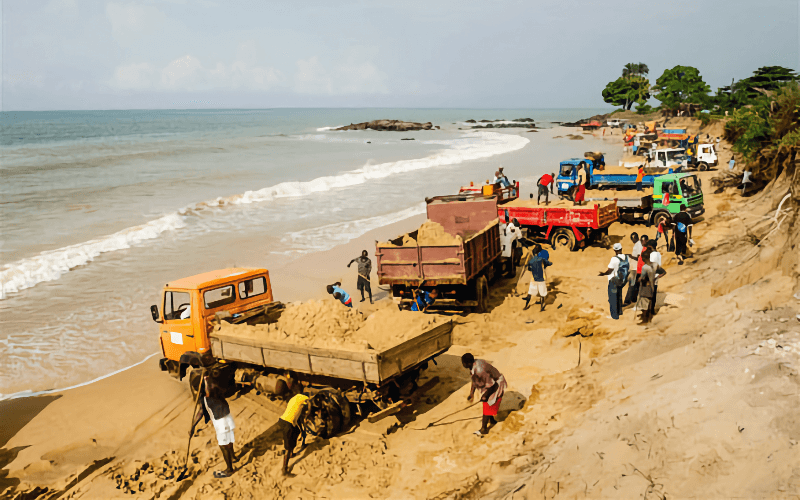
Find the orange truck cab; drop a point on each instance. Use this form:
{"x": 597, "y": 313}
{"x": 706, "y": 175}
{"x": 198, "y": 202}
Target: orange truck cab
{"x": 190, "y": 305}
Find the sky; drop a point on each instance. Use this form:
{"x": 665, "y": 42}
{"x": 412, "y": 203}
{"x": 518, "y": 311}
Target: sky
{"x": 73, "y": 54}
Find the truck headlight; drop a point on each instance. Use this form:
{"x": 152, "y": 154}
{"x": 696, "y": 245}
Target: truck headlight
{"x": 565, "y": 187}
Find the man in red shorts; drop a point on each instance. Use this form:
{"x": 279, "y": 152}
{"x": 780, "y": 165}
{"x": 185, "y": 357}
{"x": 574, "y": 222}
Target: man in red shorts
{"x": 492, "y": 385}
{"x": 580, "y": 194}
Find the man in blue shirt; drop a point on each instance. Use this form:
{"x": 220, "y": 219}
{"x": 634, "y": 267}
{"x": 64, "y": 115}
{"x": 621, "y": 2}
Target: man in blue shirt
{"x": 340, "y": 294}
{"x": 424, "y": 299}
{"x": 536, "y": 266}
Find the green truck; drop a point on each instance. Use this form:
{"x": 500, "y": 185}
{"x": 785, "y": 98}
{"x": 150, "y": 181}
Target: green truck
{"x": 675, "y": 189}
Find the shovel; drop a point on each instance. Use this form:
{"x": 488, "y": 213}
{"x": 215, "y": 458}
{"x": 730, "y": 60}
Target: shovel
{"x": 431, "y": 424}
{"x": 185, "y": 470}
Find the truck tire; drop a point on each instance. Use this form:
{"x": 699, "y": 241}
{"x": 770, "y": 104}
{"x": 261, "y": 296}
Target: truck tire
{"x": 702, "y": 166}
{"x": 481, "y": 295}
{"x": 326, "y": 414}
{"x": 659, "y": 216}
{"x": 563, "y": 238}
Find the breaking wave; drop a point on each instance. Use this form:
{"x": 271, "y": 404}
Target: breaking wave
{"x": 52, "y": 264}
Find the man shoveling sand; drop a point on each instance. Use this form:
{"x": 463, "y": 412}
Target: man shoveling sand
{"x": 492, "y": 384}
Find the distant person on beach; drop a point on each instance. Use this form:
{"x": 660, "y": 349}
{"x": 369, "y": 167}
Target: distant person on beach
{"x": 633, "y": 282}
{"x": 546, "y": 181}
{"x": 423, "y": 300}
{"x": 364, "y": 269}
{"x": 291, "y": 425}
{"x": 492, "y": 385}
{"x": 339, "y": 294}
{"x": 639, "y": 177}
{"x": 682, "y": 232}
{"x": 637, "y": 250}
{"x": 617, "y": 272}
{"x": 537, "y": 266}
{"x": 580, "y": 194}
{"x": 215, "y": 409}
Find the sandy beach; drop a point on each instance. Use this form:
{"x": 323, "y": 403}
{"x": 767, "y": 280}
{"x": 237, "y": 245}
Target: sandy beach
{"x": 702, "y": 403}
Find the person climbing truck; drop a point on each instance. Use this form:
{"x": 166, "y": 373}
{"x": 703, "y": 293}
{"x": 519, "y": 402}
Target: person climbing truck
{"x": 291, "y": 425}
{"x": 364, "y": 269}
{"x": 492, "y": 385}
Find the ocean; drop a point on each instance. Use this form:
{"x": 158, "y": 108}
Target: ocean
{"x": 101, "y": 208}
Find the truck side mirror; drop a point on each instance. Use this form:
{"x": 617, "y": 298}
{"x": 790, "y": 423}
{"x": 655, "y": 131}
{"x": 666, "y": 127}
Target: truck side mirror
{"x": 154, "y": 314}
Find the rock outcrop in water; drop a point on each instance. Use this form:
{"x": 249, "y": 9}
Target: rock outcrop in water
{"x": 390, "y": 125}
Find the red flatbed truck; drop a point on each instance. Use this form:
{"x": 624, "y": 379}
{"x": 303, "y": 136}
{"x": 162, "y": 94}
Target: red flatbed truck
{"x": 561, "y": 223}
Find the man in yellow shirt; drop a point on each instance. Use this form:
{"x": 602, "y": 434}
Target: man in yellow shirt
{"x": 290, "y": 424}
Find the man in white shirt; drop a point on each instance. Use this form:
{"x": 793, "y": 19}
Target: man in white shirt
{"x": 508, "y": 235}
{"x": 616, "y": 280}
{"x": 655, "y": 260}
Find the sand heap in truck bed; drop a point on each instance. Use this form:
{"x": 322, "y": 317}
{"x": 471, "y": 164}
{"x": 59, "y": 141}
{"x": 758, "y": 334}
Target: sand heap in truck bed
{"x": 329, "y": 324}
{"x": 431, "y": 234}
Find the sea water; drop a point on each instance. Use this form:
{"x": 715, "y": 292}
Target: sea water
{"x": 101, "y": 208}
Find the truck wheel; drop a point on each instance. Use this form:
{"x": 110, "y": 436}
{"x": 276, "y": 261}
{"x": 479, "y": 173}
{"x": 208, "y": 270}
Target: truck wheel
{"x": 481, "y": 294}
{"x": 605, "y": 241}
{"x": 660, "y": 217}
{"x": 703, "y": 166}
{"x": 563, "y": 238}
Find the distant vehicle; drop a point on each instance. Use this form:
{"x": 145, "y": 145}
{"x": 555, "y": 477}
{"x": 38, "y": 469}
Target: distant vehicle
{"x": 592, "y": 125}
{"x": 674, "y": 158}
{"x": 705, "y": 158}
{"x": 616, "y": 122}
{"x": 567, "y": 181}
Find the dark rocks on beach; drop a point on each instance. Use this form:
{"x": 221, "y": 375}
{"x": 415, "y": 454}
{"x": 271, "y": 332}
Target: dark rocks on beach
{"x": 407, "y": 139}
{"x": 388, "y": 125}
{"x": 524, "y": 120}
{"x": 471, "y": 121}
{"x": 533, "y": 130}
{"x": 504, "y": 125}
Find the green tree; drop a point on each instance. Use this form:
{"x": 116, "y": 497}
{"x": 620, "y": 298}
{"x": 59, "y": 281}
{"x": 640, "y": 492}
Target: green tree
{"x": 635, "y": 70}
{"x": 627, "y": 91}
{"x": 681, "y": 85}
{"x": 767, "y": 78}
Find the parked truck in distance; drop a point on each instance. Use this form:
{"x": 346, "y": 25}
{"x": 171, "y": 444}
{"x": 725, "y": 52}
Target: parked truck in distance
{"x": 614, "y": 177}
{"x": 462, "y": 269}
{"x": 649, "y": 207}
{"x": 342, "y": 381}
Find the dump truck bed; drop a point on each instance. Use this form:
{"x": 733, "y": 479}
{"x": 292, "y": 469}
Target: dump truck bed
{"x": 596, "y": 215}
{"x": 371, "y": 366}
{"x": 472, "y": 218}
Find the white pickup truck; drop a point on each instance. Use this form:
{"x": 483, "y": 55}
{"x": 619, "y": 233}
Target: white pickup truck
{"x": 705, "y": 158}
{"x": 616, "y": 122}
{"x": 674, "y": 158}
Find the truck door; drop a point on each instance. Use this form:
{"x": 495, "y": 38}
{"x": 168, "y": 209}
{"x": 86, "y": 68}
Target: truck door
{"x": 177, "y": 333}
{"x": 661, "y": 160}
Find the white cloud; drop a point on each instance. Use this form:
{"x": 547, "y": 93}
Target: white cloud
{"x": 187, "y": 73}
{"x": 61, "y": 8}
{"x": 351, "y": 77}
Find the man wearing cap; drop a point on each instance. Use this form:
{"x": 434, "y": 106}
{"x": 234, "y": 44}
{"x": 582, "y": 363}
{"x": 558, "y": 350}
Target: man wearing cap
{"x": 617, "y": 272}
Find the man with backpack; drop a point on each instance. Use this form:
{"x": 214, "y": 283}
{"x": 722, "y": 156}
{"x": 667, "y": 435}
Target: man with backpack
{"x": 537, "y": 266}
{"x": 618, "y": 270}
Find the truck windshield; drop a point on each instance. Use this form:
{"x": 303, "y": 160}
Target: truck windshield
{"x": 690, "y": 185}
{"x": 566, "y": 170}
{"x": 219, "y": 297}
{"x": 672, "y": 155}
{"x": 175, "y": 303}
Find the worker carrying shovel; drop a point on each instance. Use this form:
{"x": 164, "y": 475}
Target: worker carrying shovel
{"x": 216, "y": 410}
{"x": 291, "y": 424}
{"x": 364, "y": 270}
{"x": 491, "y": 383}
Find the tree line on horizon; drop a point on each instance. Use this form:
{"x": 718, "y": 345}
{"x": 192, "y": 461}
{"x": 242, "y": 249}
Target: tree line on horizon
{"x": 680, "y": 86}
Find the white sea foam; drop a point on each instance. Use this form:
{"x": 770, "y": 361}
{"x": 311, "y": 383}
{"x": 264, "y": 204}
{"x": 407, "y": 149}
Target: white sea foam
{"x": 52, "y": 264}
{"x": 322, "y": 238}
{"x": 325, "y": 129}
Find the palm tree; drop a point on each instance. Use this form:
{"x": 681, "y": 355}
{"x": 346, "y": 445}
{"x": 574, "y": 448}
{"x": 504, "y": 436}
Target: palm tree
{"x": 643, "y": 69}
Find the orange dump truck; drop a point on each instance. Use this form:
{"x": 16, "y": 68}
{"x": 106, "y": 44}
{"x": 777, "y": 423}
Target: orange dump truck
{"x": 347, "y": 381}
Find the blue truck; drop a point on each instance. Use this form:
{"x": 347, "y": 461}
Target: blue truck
{"x": 567, "y": 180}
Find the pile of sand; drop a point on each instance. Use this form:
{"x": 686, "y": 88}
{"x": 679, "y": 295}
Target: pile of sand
{"x": 432, "y": 233}
{"x": 329, "y": 324}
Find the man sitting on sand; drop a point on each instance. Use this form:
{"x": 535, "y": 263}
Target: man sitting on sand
{"x": 545, "y": 181}
{"x": 291, "y": 423}
{"x": 492, "y": 385}
{"x": 216, "y": 409}
{"x": 364, "y": 270}
{"x": 424, "y": 300}
{"x": 537, "y": 266}
{"x": 339, "y": 294}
